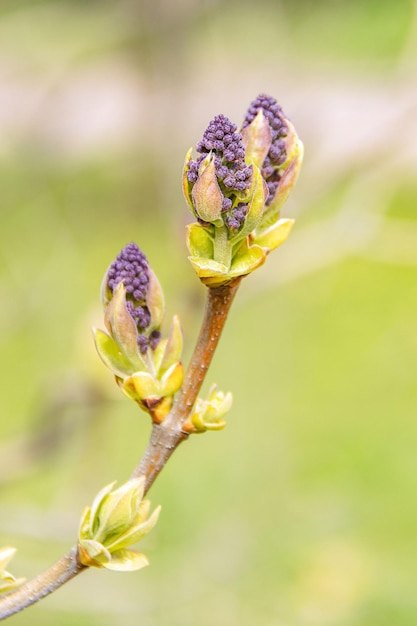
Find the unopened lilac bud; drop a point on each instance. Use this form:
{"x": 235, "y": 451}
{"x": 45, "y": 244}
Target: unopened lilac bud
{"x": 235, "y": 188}
{"x": 132, "y": 270}
{"x": 146, "y": 367}
{"x": 219, "y": 179}
{"x": 275, "y": 151}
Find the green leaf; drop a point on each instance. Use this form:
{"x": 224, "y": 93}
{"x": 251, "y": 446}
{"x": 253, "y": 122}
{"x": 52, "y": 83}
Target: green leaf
{"x": 155, "y": 301}
{"x": 172, "y": 380}
{"x": 118, "y": 510}
{"x": 6, "y": 555}
{"x": 173, "y": 347}
{"x": 141, "y": 386}
{"x": 247, "y": 259}
{"x": 158, "y": 353}
{"x": 96, "y": 506}
{"x": 93, "y": 553}
{"x": 111, "y": 355}
{"x": 186, "y": 185}
{"x": 123, "y": 328}
{"x": 275, "y": 235}
{"x": 85, "y": 526}
{"x": 136, "y": 532}
{"x": 126, "y": 561}
{"x": 7, "y": 580}
{"x": 200, "y": 241}
{"x": 207, "y": 267}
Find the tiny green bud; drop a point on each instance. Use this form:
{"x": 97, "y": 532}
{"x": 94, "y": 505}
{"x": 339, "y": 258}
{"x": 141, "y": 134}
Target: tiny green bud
{"x": 7, "y": 580}
{"x": 116, "y": 520}
{"x": 209, "y": 414}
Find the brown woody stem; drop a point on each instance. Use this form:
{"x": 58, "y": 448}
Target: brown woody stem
{"x": 166, "y": 437}
{"x": 63, "y": 570}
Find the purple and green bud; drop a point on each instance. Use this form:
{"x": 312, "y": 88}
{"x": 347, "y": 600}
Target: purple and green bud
{"x": 277, "y": 152}
{"x": 131, "y": 268}
{"x": 236, "y": 187}
{"x": 270, "y": 139}
{"x": 146, "y": 367}
{"x": 219, "y": 179}
{"x": 227, "y": 194}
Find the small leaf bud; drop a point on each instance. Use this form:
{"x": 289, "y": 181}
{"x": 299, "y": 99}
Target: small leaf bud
{"x": 117, "y": 519}
{"x": 209, "y": 414}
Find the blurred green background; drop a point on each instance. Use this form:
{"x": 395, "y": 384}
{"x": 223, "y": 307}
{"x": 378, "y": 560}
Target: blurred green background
{"x": 302, "y": 511}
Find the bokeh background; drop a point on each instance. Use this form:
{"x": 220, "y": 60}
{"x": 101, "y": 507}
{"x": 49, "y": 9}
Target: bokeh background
{"x": 302, "y": 511}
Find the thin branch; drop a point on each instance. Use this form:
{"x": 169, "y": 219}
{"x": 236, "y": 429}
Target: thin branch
{"x": 49, "y": 581}
{"x": 165, "y": 438}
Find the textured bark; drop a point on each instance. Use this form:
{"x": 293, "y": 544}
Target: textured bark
{"x": 58, "y": 574}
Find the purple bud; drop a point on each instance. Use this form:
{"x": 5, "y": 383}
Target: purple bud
{"x": 277, "y": 154}
{"x": 227, "y": 204}
{"x": 237, "y": 217}
{"x": 222, "y": 141}
{"x": 229, "y": 182}
{"x": 132, "y": 269}
{"x": 143, "y": 343}
{"x": 154, "y": 339}
{"x": 232, "y": 223}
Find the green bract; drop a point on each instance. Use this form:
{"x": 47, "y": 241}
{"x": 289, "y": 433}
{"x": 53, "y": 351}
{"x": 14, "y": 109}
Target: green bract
{"x": 7, "y": 580}
{"x": 116, "y": 520}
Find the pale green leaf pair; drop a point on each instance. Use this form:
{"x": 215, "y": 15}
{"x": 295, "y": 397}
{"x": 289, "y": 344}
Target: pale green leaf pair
{"x": 116, "y": 520}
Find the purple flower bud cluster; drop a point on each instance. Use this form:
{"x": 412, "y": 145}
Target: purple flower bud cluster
{"x": 152, "y": 341}
{"x": 277, "y": 154}
{"x": 236, "y": 217}
{"x": 222, "y": 140}
{"x": 132, "y": 269}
